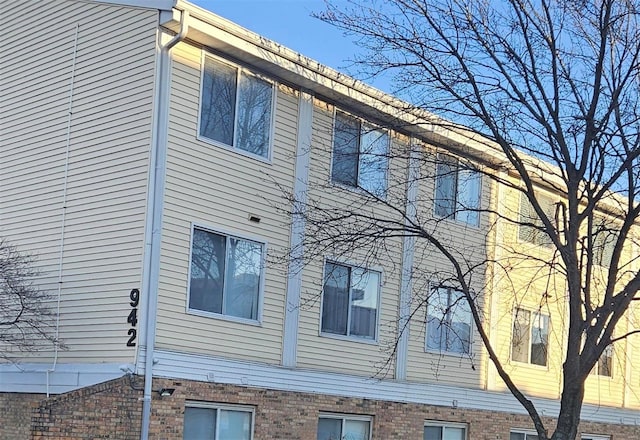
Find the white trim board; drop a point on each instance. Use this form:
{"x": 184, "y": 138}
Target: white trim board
{"x": 32, "y": 377}
{"x": 211, "y": 369}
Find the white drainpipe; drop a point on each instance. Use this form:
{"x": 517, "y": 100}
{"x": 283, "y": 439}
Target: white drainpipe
{"x": 153, "y": 225}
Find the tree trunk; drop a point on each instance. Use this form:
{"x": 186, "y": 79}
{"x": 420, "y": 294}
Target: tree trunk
{"x": 570, "y": 407}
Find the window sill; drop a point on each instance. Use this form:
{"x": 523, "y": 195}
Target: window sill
{"x": 457, "y": 222}
{"x": 448, "y": 353}
{"x": 529, "y": 365}
{"x": 349, "y": 338}
{"x": 221, "y": 317}
{"x": 356, "y": 190}
{"x": 239, "y": 151}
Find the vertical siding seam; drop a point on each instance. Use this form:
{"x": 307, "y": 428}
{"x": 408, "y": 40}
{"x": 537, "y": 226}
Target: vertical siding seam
{"x": 408, "y": 243}
{"x": 292, "y": 305}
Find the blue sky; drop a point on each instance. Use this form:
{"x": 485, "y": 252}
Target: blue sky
{"x": 289, "y": 23}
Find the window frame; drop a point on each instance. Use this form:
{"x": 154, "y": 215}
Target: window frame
{"x": 471, "y": 325}
{"x": 526, "y": 432}
{"x": 348, "y": 336}
{"x": 375, "y": 127}
{"x": 221, "y": 407}
{"x": 261, "y": 284}
{"x": 585, "y": 436}
{"x": 346, "y": 417}
{"x": 240, "y": 69}
{"x": 530, "y": 334}
{"x": 446, "y": 158}
{"x": 595, "y": 371}
{"x": 445, "y": 425}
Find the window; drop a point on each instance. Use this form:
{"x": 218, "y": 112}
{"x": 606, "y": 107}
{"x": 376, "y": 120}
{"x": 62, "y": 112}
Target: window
{"x": 336, "y": 427}
{"x": 448, "y": 321}
{"x": 440, "y": 431}
{"x": 457, "y": 191}
{"x": 360, "y": 155}
{"x": 604, "y": 366}
{"x": 204, "y": 422}
{"x": 530, "y": 340}
{"x": 604, "y": 242}
{"x": 225, "y": 274}
{"x": 236, "y": 107}
{"x": 523, "y": 435}
{"x": 594, "y": 437}
{"x": 350, "y": 301}
{"x": 531, "y": 227}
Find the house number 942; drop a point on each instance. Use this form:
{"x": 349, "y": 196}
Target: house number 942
{"x": 132, "y": 319}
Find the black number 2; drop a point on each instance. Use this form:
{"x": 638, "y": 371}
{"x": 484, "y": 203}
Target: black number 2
{"x": 132, "y": 337}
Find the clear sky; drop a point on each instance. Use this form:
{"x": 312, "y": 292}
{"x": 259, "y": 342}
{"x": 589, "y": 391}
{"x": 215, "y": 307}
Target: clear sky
{"x": 289, "y": 22}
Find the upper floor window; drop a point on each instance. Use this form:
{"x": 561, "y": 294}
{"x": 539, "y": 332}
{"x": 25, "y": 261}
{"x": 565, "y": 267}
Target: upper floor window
{"x": 457, "y": 191}
{"x": 530, "y": 339}
{"x": 236, "y": 107}
{"x": 604, "y": 366}
{"x": 448, "y": 322}
{"x": 523, "y": 435}
{"x": 339, "y": 427}
{"x": 225, "y": 274}
{"x": 204, "y": 422}
{"x": 360, "y": 155}
{"x": 350, "y": 301}
{"x": 444, "y": 431}
{"x": 604, "y": 241}
{"x": 531, "y": 228}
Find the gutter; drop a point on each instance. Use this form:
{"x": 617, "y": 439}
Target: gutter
{"x": 155, "y": 198}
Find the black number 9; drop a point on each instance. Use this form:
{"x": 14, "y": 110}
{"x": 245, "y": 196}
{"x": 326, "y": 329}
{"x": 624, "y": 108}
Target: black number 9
{"x": 135, "y": 297}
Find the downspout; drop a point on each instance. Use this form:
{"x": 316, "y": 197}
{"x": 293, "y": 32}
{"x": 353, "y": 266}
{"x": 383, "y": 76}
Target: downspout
{"x": 153, "y": 227}
{"x": 56, "y": 343}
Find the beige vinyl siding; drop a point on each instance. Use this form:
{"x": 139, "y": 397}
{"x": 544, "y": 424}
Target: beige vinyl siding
{"x": 341, "y": 353}
{"x": 468, "y": 242}
{"x": 218, "y": 188}
{"x": 108, "y": 160}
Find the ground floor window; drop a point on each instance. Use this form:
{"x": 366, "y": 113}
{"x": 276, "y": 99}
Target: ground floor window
{"x": 444, "y": 431}
{"x": 212, "y": 422}
{"x": 594, "y": 437}
{"x": 523, "y": 435}
{"x": 343, "y": 427}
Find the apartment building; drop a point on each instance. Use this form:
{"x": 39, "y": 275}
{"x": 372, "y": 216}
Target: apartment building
{"x": 149, "y": 151}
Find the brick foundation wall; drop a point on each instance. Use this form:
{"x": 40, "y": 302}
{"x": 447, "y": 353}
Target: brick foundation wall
{"x": 113, "y": 410}
{"x": 110, "y": 410}
{"x": 16, "y": 410}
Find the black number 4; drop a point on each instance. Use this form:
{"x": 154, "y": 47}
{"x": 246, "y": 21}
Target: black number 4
{"x": 133, "y": 317}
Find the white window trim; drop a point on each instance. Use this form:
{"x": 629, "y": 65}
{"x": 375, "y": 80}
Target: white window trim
{"x": 523, "y": 431}
{"x": 223, "y": 406}
{"x": 357, "y": 189}
{"x": 442, "y": 424}
{"x": 454, "y": 218}
{"x": 585, "y": 436}
{"x": 350, "y": 338}
{"x": 345, "y": 417}
{"x": 261, "y": 286}
{"x": 529, "y": 364}
{"x": 239, "y": 69}
{"x": 444, "y": 352}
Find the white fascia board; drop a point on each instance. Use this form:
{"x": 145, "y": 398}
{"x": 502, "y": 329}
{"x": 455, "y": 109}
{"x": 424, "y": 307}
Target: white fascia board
{"x": 162, "y": 5}
{"x": 251, "y": 374}
{"x": 32, "y": 377}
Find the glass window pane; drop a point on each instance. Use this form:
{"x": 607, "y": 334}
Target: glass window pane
{"x": 432, "y": 433}
{"x": 372, "y": 174}
{"x": 329, "y": 429}
{"x": 346, "y": 141}
{"x": 335, "y": 299}
{"x": 356, "y": 430}
{"x": 459, "y": 330}
{"x": 243, "y": 279}
{"x": 234, "y": 425}
{"x": 445, "y": 189}
{"x": 207, "y": 271}
{"x": 437, "y": 319}
{"x": 254, "y": 115}
{"x": 516, "y": 436}
{"x": 539, "y": 339}
{"x": 520, "y": 337}
{"x": 605, "y": 367}
{"x": 468, "y": 196}
{"x": 453, "y": 433}
{"x": 217, "y": 113}
{"x": 364, "y": 302}
{"x": 199, "y": 424}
